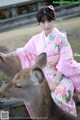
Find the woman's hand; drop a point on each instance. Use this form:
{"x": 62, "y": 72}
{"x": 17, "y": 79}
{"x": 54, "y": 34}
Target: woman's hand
{"x": 53, "y": 85}
{"x": 56, "y": 81}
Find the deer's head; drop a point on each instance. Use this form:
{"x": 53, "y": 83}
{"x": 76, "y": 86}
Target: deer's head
{"x": 28, "y": 82}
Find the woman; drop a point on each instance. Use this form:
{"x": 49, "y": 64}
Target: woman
{"x": 61, "y": 70}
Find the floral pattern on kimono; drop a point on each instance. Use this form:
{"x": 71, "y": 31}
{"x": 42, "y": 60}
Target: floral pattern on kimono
{"x": 63, "y": 96}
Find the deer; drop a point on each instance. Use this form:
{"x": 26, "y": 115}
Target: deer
{"x": 10, "y": 63}
{"x": 30, "y": 85}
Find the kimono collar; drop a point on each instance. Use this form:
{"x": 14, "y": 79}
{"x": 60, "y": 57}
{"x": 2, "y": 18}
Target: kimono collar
{"x": 50, "y": 36}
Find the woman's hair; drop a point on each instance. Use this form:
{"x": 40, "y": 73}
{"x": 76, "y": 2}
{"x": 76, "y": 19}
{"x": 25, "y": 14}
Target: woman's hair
{"x": 46, "y": 13}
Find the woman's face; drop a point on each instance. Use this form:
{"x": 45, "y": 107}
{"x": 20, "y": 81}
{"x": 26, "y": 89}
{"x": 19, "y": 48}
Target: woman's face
{"x": 47, "y": 26}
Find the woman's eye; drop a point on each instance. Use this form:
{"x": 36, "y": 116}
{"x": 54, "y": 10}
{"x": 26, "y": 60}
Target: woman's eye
{"x": 49, "y": 20}
{"x": 43, "y": 21}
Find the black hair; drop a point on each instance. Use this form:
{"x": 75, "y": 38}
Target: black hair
{"x": 45, "y": 13}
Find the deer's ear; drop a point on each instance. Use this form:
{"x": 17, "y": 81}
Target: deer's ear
{"x": 41, "y": 60}
{"x": 37, "y": 76}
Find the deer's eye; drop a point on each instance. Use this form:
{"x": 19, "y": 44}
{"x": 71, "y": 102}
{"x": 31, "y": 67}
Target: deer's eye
{"x": 16, "y": 86}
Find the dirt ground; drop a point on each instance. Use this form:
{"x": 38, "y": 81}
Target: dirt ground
{"x": 20, "y": 36}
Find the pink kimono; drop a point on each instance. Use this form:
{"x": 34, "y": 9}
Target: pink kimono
{"x": 60, "y": 57}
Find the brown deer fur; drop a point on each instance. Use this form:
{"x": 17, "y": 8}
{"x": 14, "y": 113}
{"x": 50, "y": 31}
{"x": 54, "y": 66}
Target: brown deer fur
{"x": 10, "y": 63}
{"x": 31, "y": 86}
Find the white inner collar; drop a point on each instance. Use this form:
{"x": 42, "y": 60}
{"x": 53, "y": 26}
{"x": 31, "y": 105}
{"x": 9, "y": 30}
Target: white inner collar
{"x": 46, "y": 38}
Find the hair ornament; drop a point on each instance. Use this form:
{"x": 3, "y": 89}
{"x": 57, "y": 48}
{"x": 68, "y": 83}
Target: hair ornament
{"x": 51, "y": 7}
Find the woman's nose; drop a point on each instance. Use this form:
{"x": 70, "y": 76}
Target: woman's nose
{"x": 46, "y": 24}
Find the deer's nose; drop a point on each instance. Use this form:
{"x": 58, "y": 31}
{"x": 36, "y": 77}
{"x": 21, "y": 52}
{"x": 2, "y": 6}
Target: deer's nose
{"x": 1, "y": 105}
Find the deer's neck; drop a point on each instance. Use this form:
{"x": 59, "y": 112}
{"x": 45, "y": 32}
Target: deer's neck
{"x": 42, "y": 106}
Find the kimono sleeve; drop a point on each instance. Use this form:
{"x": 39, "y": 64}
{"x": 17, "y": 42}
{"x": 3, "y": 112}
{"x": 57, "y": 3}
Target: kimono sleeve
{"x": 28, "y": 53}
{"x": 67, "y": 65}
